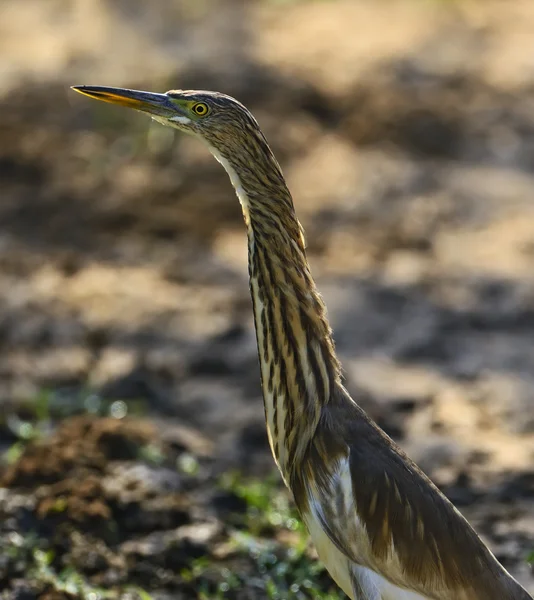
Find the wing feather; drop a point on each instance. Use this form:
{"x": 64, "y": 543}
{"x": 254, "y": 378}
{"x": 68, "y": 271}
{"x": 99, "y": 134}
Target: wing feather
{"x": 383, "y": 513}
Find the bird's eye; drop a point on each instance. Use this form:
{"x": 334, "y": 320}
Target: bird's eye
{"x": 201, "y": 109}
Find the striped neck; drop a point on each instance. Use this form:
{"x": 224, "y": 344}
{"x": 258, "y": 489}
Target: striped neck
{"x": 298, "y": 364}
{"x": 297, "y": 360}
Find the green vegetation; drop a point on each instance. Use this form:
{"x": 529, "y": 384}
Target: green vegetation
{"x": 39, "y": 566}
{"x": 37, "y": 417}
{"x": 272, "y": 535}
{"x": 68, "y": 580}
{"x": 268, "y": 505}
{"x": 27, "y": 550}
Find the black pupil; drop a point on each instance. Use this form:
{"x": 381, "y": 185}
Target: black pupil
{"x": 201, "y": 109}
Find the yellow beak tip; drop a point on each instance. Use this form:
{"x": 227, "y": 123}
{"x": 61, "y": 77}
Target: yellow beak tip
{"x": 110, "y": 97}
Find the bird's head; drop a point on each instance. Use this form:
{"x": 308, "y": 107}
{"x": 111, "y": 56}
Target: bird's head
{"x": 219, "y": 120}
{"x": 226, "y": 126}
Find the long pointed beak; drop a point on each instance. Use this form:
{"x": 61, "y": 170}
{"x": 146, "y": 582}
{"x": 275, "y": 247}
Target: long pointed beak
{"x": 148, "y": 102}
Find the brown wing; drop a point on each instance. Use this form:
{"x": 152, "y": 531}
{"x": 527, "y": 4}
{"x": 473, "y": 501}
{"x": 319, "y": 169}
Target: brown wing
{"x": 393, "y": 519}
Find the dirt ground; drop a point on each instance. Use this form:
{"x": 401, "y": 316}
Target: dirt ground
{"x": 405, "y": 130}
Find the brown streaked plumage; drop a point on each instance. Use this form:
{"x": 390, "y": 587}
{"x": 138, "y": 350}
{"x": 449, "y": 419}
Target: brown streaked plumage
{"x": 382, "y": 528}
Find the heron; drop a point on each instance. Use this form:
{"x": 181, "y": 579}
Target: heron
{"x": 381, "y": 527}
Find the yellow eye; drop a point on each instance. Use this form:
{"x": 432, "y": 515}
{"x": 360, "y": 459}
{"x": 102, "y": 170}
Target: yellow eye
{"x": 200, "y": 109}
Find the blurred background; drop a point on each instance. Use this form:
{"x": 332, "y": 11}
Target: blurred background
{"x": 134, "y": 457}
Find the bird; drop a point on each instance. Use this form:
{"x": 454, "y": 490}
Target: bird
{"x": 381, "y": 527}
